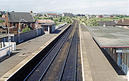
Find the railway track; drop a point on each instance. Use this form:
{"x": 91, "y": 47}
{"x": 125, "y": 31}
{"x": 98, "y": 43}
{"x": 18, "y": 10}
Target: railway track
{"x": 61, "y": 62}
{"x": 64, "y": 66}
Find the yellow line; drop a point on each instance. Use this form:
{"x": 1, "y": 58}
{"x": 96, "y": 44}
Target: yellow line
{"x": 86, "y": 72}
{"x": 83, "y": 77}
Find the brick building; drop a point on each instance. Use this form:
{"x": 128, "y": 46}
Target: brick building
{"x": 19, "y": 20}
{"x": 47, "y": 25}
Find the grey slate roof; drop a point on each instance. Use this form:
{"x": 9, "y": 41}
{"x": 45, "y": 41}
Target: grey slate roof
{"x": 17, "y": 16}
{"x": 107, "y": 23}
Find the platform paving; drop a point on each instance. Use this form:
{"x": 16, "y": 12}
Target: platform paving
{"x": 25, "y": 50}
{"x": 95, "y": 66}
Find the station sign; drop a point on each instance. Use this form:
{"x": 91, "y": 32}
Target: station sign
{"x": 11, "y": 35}
{"x": 122, "y": 51}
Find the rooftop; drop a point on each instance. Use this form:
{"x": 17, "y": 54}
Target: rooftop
{"x": 109, "y": 37}
{"x": 46, "y": 22}
{"x": 54, "y": 14}
{"x": 17, "y": 16}
{"x": 106, "y": 23}
{"x": 123, "y": 22}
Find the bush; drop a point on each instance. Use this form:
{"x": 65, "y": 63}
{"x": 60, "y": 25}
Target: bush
{"x": 26, "y": 29}
{"x": 91, "y": 22}
{"x": 1, "y": 21}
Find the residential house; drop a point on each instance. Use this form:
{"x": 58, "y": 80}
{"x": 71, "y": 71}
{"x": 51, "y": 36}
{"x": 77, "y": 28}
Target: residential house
{"x": 99, "y": 16}
{"x": 80, "y": 15}
{"x": 90, "y": 16}
{"x": 48, "y": 25}
{"x": 19, "y": 20}
{"x": 104, "y": 16}
{"x": 67, "y": 14}
{"x": 52, "y": 15}
{"x": 2, "y": 13}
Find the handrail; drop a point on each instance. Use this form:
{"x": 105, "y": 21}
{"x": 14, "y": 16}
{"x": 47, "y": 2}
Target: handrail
{"x": 5, "y": 47}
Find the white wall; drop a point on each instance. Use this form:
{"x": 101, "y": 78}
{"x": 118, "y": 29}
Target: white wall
{"x": 5, "y": 51}
{"x": 13, "y": 45}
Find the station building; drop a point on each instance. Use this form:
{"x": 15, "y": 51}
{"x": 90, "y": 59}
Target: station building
{"x": 47, "y": 25}
{"x": 115, "y": 41}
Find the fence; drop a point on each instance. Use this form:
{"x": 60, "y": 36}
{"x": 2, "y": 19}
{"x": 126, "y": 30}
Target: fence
{"x": 25, "y": 36}
{"x": 5, "y": 51}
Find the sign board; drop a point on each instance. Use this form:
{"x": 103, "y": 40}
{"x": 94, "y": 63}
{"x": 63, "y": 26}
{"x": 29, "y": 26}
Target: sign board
{"x": 122, "y": 51}
{"x": 11, "y": 35}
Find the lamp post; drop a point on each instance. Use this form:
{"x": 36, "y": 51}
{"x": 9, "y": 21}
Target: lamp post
{"x": 9, "y": 38}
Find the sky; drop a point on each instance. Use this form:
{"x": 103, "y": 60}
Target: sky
{"x": 72, "y": 6}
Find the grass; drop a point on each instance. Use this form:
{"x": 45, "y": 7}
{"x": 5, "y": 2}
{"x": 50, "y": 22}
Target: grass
{"x": 94, "y": 21}
{"x": 1, "y": 21}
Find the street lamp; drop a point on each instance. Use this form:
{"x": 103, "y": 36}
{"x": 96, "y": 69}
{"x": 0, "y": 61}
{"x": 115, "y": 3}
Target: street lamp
{"x": 9, "y": 38}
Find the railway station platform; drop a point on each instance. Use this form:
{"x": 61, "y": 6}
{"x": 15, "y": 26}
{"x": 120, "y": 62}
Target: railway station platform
{"x": 95, "y": 66}
{"x": 25, "y": 52}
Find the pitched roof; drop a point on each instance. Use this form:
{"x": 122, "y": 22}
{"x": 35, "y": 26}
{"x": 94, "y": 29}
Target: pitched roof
{"x": 107, "y": 23}
{"x": 123, "y": 22}
{"x": 54, "y": 14}
{"x": 20, "y": 17}
{"x": 46, "y": 22}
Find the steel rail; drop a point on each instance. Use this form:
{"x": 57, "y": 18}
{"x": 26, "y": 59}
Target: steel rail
{"x": 62, "y": 40}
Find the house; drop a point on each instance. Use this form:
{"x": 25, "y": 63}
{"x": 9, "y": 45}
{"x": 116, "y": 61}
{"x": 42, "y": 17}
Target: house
{"x": 67, "y": 14}
{"x": 52, "y": 15}
{"x": 123, "y": 23}
{"x": 2, "y": 13}
{"x": 106, "y": 23}
{"x": 104, "y": 16}
{"x": 80, "y": 15}
{"x": 99, "y": 16}
{"x": 19, "y": 20}
{"x": 90, "y": 16}
{"x": 48, "y": 25}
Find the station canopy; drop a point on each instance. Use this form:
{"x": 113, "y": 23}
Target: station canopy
{"x": 110, "y": 37}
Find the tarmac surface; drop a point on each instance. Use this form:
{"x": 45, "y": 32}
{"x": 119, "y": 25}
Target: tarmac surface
{"x": 25, "y": 50}
{"x": 95, "y": 66}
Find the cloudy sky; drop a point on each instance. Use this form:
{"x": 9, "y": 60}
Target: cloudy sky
{"x": 73, "y": 6}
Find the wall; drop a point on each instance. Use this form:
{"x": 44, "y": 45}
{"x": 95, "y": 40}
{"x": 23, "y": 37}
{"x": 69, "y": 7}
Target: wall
{"x": 122, "y": 59}
{"x": 25, "y": 36}
{"x": 4, "y": 51}
{"x": 53, "y": 28}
